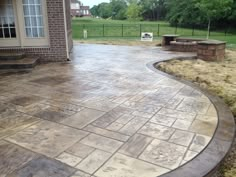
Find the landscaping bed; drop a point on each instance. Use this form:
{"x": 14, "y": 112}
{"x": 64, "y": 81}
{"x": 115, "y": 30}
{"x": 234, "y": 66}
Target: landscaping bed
{"x": 217, "y": 77}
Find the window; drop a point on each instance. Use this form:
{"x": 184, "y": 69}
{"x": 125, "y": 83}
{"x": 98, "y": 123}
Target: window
{"x": 33, "y": 16}
{"x": 7, "y": 20}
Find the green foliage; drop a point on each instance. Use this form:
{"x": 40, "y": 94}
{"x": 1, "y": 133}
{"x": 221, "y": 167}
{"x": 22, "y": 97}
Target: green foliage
{"x": 115, "y": 9}
{"x": 214, "y": 9}
{"x": 153, "y": 9}
{"x": 184, "y": 12}
{"x": 119, "y": 8}
{"x": 134, "y": 12}
{"x": 103, "y": 10}
{"x": 187, "y": 13}
{"x": 232, "y": 15}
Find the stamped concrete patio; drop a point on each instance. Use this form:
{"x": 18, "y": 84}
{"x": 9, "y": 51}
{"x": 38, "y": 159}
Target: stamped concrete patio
{"x": 105, "y": 114}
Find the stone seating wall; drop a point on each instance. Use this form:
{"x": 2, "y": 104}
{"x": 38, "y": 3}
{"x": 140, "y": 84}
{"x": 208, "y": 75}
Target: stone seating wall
{"x": 208, "y": 50}
{"x": 183, "y": 46}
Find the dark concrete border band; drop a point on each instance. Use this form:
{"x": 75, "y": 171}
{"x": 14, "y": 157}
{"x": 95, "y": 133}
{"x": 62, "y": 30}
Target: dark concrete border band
{"x": 207, "y": 162}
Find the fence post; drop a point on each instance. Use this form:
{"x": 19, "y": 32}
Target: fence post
{"x": 103, "y": 32}
{"x": 158, "y": 30}
{"x": 83, "y": 30}
{"x": 140, "y": 29}
{"x": 226, "y": 30}
{"x": 193, "y": 30}
{"x": 122, "y": 30}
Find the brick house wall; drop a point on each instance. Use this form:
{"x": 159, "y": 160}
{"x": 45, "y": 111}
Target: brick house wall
{"x": 57, "y": 41}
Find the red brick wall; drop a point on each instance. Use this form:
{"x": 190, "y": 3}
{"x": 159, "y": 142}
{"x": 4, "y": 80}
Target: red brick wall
{"x": 57, "y": 42}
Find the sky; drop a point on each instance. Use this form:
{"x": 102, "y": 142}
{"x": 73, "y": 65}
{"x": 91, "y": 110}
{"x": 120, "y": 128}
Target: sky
{"x": 91, "y": 3}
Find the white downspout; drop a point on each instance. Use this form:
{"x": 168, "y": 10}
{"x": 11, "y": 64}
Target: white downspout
{"x": 66, "y": 35}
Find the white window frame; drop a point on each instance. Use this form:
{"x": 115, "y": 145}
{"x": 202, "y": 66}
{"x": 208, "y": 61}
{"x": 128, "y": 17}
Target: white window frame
{"x": 32, "y": 41}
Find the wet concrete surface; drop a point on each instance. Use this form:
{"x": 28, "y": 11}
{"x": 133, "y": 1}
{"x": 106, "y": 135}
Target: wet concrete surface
{"x": 103, "y": 114}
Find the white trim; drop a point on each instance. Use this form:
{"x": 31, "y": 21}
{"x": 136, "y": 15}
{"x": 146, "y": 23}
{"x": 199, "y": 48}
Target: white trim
{"x": 32, "y": 42}
{"x": 66, "y": 33}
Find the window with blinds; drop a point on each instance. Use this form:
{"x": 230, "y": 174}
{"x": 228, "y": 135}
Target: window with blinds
{"x": 7, "y": 19}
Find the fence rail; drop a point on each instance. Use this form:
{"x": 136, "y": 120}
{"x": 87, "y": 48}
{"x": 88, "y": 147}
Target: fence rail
{"x": 135, "y": 30}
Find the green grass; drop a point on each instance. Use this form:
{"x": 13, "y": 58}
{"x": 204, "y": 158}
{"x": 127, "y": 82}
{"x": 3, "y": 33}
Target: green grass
{"x": 109, "y": 29}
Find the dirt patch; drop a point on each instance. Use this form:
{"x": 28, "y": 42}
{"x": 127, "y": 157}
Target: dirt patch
{"x": 217, "y": 77}
{"x": 120, "y": 42}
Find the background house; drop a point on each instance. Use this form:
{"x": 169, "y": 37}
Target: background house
{"x": 78, "y": 9}
{"x": 36, "y": 27}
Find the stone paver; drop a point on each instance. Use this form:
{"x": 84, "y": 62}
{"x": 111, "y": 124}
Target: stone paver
{"x": 106, "y": 133}
{"x": 102, "y": 143}
{"x": 199, "y": 142}
{"x": 80, "y": 150}
{"x": 135, "y": 145}
{"x": 164, "y": 154}
{"x": 83, "y": 118}
{"x": 95, "y": 160}
{"x": 124, "y": 166}
{"x": 105, "y": 114}
{"x": 47, "y": 138}
{"x": 69, "y": 159}
{"x": 157, "y": 131}
{"x": 133, "y": 126}
{"x": 13, "y": 157}
{"x": 44, "y": 167}
{"x": 182, "y": 138}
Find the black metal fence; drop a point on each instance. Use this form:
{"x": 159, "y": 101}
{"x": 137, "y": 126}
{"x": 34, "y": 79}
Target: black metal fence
{"x": 135, "y": 30}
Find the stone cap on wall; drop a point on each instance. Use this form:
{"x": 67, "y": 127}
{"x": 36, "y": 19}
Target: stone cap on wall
{"x": 211, "y": 42}
{"x": 170, "y": 35}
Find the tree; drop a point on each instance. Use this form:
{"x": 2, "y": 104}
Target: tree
{"x": 94, "y": 11}
{"x": 134, "y": 12}
{"x": 153, "y": 9}
{"x": 119, "y": 8}
{"x": 184, "y": 12}
{"x": 232, "y": 16}
{"x": 214, "y": 9}
{"x": 104, "y": 10}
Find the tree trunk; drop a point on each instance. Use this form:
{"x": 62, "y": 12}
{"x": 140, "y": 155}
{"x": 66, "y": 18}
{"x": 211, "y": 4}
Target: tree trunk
{"x": 209, "y": 28}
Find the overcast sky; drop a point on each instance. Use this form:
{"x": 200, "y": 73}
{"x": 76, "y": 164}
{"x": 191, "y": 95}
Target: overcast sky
{"x": 91, "y": 3}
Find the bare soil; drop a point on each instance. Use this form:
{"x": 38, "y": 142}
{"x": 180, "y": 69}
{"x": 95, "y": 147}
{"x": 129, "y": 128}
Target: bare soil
{"x": 217, "y": 77}
{"x": 119, "y": 42}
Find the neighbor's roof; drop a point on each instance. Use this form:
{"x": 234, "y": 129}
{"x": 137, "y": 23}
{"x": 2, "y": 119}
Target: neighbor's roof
{"x": 75, "y": 1}
{"x": 84, "y": 7}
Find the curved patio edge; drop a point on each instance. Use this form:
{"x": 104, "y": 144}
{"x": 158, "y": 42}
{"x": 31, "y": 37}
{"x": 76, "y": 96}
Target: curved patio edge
{"x": 206, "y": 163}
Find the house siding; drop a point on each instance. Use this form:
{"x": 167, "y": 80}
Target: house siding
{"x": 56, "y": 51}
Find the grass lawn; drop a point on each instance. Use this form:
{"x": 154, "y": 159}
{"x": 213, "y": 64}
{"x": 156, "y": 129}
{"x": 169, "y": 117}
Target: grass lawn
{"x": 100, "y": 29}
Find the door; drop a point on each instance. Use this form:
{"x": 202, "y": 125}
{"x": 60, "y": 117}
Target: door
{"x": 9, "y": 35}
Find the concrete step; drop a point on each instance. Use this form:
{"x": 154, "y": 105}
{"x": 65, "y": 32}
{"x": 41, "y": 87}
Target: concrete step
{"x": 11, "y": 56}
{"x": 25, "y": 63}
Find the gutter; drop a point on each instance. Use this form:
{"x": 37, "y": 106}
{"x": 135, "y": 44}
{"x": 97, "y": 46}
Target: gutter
{"x": 66, "y": 35}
